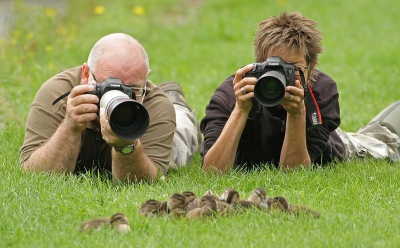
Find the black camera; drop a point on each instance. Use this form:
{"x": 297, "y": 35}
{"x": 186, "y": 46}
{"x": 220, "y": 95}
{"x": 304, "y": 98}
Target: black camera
{"x": 128, "y": 118}
{"x": 273, "y": 76}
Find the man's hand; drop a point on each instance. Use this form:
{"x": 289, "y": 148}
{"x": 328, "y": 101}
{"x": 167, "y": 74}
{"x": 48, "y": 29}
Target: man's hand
{"x": 108, "y": 134}
{"x": 81, "y": 108}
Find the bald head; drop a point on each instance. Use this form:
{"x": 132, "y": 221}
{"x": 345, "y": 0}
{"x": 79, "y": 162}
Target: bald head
{"x": 117, "y": 53}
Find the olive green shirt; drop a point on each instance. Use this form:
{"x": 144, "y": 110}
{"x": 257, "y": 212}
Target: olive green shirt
{"x": 44, "y": 119}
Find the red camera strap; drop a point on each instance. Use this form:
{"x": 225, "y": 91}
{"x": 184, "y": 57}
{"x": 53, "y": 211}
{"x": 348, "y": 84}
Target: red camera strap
{"x": 314, "y": 118}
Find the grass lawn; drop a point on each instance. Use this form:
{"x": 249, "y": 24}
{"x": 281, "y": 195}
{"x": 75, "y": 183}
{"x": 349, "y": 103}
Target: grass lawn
{"x": 198, "y": 43}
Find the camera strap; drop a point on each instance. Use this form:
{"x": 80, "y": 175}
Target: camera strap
{"x": 61, "y": 97}
{"x": 313, "y": 114}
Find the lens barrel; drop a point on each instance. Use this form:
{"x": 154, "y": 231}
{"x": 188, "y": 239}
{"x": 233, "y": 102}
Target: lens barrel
{"x": 128, "y": 118}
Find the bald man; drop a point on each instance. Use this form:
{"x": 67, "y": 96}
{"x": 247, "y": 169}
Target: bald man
{"x": 66, "y": 132}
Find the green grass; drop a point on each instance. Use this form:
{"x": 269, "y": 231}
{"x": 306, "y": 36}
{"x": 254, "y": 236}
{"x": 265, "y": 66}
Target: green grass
{"x": 199, "y": 43}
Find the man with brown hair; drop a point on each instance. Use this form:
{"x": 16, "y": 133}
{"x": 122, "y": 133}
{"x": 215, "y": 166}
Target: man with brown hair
{"x": 288, "y": 117}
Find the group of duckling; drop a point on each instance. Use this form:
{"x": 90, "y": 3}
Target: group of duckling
{"x": 187, "y": 204}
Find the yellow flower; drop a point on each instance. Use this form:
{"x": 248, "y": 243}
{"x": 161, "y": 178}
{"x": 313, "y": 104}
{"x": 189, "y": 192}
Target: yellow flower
{"x": 49, "y": 48}
{"x": 99, "y": 10}
{"x": 2, "y": 42}
{"x": 14, "y": 41}
{"x": 281, "y": 2}
{"x": 61, "y": 30}
{"x": 17, "y": 33}
{"x": 50, "y": 12}
{"x": 138, "y": 10}
{"x": 30, "y": 36}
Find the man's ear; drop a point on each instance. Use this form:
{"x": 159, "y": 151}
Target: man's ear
{"x": 149, "y": 72}
{"x": 85, "y": 74}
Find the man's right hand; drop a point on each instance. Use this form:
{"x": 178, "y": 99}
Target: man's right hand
{"x": 81, "y": 108}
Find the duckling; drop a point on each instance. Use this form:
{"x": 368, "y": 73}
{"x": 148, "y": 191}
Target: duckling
{"x": 209, "y": 192}
{"x": 224, "y": 208}
{"x": 224, "y": 195}
{"x": 279, "y": 203}
{"x": 163, "y": 209}
{"x": 191, "y": 199}
{"x": 120, "y": 223}
{"x": 94, "y": 224}
{"x": 233, "y": 198}
{"x": 208, "y": 207}
{"x": 296, "y": 209}
{"x": 117, "y": 221}
{"x": 259, "y": 196}
{"x": 176, "y": 205}
{"x": 150, "y": 208}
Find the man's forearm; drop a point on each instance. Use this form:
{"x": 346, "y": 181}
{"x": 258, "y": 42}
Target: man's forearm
{"x": 134, "y": 167}
{"x": 58, "y": 154}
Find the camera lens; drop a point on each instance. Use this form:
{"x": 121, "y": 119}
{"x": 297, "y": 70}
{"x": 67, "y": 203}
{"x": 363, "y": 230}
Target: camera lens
{"x": 270, "y": 88}
{"x": 124, "y": 114}
{"x": 128, "y": 118}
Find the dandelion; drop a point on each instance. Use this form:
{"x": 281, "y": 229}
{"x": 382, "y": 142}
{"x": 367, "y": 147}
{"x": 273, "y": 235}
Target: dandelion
{"x": 30, "y": 36}
{"x": 50, "y": 12}
{"x": 138, "y": 10}
{"x": 281, "y": 2}
{"x": 16, "y": 33}
{"x": 49, "y": 48}
{"x": 99, "y": 10}
{"x": 2, "y": 42}
{"x": 61, "y": 30}
{"x": 14, "y": 41}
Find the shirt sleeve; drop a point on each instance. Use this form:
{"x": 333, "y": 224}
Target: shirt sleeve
{"x": 217, "y": 114}
{"x": 158, "y": 140}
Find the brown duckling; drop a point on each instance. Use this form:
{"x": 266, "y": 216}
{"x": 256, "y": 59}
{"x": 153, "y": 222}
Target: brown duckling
{"x": 210, "y": 193}
{"x": 224, "y": 195}
{"x": 208, "y": 207}
{"x": 296, "y": 209}
{"x": 191, "y": 199}
{"x": 117, "y": 221}
{"x": 224, "y": 208}
{"x": 120, "y": 223}
{"x": 94, "y": 224}
{"x": 233, "y": 198}
{"x": 176, "y": 205}
{"x": 259, "y": 196}
{"x": 150, "y": 208}
{"x": 278, "y": 203}
{"x": 163, "y": 209}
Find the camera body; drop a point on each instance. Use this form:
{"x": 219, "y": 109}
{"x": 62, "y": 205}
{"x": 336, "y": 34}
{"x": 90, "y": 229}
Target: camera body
{"x": 111, "y": 84}
{"x": 127, "y": 117}
{"x": 273, "y": 76}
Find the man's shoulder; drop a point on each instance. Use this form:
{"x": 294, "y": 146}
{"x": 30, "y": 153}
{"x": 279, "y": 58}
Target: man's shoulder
{"x": 324, "y": 84}
{"x": 65, "y": 79}
{"x": 156, "y": 102}
{"x": 58, "y": 85}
